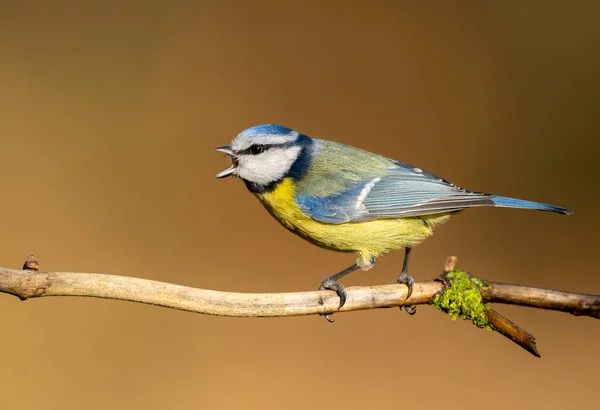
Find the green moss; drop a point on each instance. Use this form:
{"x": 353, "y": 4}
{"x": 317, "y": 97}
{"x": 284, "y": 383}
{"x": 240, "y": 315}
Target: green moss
{"x": 461, "y": 298}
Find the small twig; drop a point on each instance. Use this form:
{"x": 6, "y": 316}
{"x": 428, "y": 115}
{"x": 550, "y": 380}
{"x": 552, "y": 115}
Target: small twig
{"x": 450, "y": 264}
{"x": 29, "y": 283}
{"x": 32, "y": 263}
{"x": 507, "y": 328}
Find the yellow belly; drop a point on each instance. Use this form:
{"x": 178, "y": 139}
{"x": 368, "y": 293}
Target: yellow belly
{"x": 367, "y": 239}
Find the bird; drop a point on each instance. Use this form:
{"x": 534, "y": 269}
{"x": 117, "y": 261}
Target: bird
{"x": 347, "y": 199}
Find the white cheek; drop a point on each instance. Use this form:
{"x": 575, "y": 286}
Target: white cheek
{"x": 267, "y": 167}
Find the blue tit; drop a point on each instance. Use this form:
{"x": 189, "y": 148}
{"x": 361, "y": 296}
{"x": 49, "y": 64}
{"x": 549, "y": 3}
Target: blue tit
{"x": 349, "y": 200}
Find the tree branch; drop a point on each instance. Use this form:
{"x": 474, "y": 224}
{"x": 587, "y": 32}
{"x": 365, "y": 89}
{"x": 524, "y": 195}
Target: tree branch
{"x": 29, "y": 283}
{"x": 578, "y": 304}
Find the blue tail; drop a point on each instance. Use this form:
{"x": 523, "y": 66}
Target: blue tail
{"x": 519, "y": 203}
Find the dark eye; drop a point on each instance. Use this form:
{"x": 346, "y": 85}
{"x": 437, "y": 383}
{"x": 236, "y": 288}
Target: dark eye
{"x": 256, "y": 149}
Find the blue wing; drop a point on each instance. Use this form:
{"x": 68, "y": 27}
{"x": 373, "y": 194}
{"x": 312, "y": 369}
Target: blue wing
{"x": 409, "y": 191}
{"x": 404, "y": 191}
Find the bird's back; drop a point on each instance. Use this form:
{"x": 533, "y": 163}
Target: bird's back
{"x": 335, "y": 167}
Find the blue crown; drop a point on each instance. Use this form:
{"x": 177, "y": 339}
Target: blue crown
{"x": 266, "y": 129}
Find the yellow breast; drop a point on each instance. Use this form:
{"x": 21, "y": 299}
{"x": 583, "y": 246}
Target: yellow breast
{"x": 368, "y": 239}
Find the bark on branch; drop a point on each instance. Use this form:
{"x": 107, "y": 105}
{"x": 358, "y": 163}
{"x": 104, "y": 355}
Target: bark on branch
{"x": 29, "y": 283}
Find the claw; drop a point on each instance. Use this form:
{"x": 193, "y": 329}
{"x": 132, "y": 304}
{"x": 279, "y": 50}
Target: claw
{"x": 409, "y": 281}
{"x": 338, "y": 288}
{"x": 411, "y": 310}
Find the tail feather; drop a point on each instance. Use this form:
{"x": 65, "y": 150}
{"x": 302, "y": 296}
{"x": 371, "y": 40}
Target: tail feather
{"x": 519, "y": 203}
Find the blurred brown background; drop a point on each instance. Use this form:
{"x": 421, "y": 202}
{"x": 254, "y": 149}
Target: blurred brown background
{"x": 109, "y": 115}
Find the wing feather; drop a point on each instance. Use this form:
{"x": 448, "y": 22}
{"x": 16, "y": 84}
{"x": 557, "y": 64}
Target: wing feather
{"x": 408, "y": 191}
{"x": 403, "y": 191}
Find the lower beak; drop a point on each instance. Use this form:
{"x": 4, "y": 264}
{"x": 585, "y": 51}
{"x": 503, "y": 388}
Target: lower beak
{"x": 227, "y": 173}
{"x": 231, "y": 170}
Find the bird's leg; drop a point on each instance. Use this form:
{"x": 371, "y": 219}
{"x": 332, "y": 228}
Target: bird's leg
{"x": 409, "y": 281}
{"x": 404, "y": 278}
{"x": 329, "y": 283}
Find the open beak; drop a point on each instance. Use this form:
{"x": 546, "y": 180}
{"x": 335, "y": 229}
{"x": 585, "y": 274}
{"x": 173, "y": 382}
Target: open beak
{"x": 231, "y": 170}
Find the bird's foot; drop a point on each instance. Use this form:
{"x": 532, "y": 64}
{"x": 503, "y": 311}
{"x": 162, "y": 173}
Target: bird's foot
{"x": 330, "y": 284}
{"x": 338, "y": 288}
{"x": 409, "y": 281}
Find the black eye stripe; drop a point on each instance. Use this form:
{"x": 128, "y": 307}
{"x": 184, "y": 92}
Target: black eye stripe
{"x": 265, "y": 147}
{"x": 251, "y": 150}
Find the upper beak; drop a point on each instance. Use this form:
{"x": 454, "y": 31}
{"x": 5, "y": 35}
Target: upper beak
{"x": 226, "y": 149}
{"x": 231, "y": 170}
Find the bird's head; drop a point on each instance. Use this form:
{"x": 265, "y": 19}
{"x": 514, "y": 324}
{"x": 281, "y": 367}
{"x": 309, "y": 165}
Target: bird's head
{"x": 264, "y": 154}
